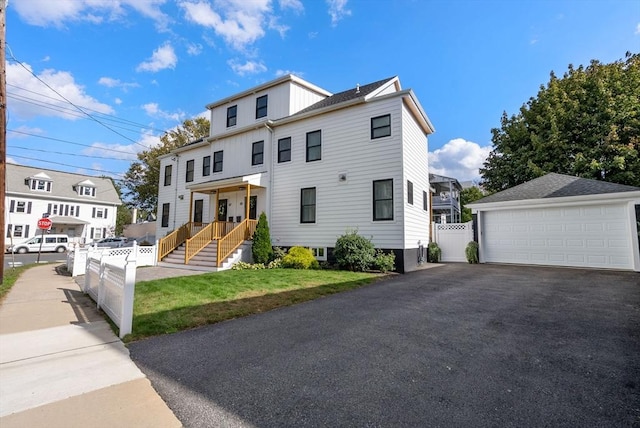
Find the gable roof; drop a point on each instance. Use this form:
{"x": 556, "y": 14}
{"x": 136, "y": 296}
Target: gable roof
{"x": 555, "y": 185}
{"x": 63, "y": 184}
{"x": 348, "y": 95}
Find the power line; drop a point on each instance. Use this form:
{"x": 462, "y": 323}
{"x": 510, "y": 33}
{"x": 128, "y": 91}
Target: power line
{"x": 67, "y": 141}
{"x": 71, "y": 166}
{"x": 71, "y": 103}
{"x": 68, "y": 154}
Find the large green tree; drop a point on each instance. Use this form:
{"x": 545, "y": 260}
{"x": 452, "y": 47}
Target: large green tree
{"x": 585, "y": 124}
{"x": 468, "y": 195}
{"x": 140, "y": 183}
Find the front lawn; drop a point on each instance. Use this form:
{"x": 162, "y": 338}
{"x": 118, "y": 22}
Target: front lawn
{"x": 173, "y": 304}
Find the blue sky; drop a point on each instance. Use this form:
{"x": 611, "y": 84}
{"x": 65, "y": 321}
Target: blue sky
{"x": 140, "y": 67}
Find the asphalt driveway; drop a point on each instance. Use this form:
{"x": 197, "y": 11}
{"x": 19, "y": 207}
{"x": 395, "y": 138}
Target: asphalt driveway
{"x": 458, "y": 345}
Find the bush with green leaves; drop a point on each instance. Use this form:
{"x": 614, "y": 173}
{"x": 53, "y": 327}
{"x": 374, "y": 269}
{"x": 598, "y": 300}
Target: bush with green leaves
{"x": 261, "y": 247}
{"x": 299, "y": 258}
{"x": 434, "y": 252}
{"x": 472, "y": 252}
{"x": 385, "y": 262}
{"x": 247, "y": 266}
{"x": 354, "y": 252}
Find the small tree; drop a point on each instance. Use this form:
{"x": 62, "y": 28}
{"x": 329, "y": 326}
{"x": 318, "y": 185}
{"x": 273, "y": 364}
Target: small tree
{"x": 300, "y": 258}
{"x": 472, "y": 252}
{"x": 261, "y": 247}
{"x": 354, "y": 252}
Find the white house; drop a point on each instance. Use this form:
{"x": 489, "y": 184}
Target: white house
{"x": 561, "y": 220}
{"x": 81, "y": 206}
{"x": 318, "y": 164}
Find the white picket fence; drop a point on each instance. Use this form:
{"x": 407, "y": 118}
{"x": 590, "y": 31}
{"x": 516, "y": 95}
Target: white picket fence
{"x": 452, "y": 238}
{"x": 77, "y": 259}
{"x": 110, "y": 277}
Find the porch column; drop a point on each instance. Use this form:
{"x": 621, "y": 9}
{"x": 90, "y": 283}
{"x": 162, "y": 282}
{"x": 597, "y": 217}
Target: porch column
{"x": 190, "y": 206}
{"x": 216, "y": 231}
{"x": 246, "y": 210}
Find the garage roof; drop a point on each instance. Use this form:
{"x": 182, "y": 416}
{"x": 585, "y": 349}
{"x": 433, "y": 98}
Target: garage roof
{"x": 555, "y": 185}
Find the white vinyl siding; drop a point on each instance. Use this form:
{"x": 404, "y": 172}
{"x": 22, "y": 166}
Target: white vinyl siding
{"x": 347, "y": 149}
{"x": 416, "y": 170}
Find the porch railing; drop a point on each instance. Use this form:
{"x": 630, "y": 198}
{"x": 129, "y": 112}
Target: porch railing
{"x": 173, "y": 240}
{"x": 232, "y": 240}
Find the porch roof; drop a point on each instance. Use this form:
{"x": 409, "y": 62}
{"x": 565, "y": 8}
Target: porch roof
{"x": 66, "y": 220}
{"x": 231, "y": 183}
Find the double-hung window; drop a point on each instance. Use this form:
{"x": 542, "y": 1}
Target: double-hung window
{"x": 308, "y": 205}
{"x": 261, "y": 106}
{"x": 190, "y": 168}
{"x": 257, "y": 153}
{"x": 165, "y": 215}
{"x": 425, "y": 201}
{"x": 314, "y": 146}
{"x": 383, "y": 200}
{"x": 381, "y": 126}
{"x": 206, "y": 166}
{"x": 232, "y": 116}
{"x": 217, "y": 161}
{"x": 284, "y": 150}
{"x": 409, "y": 192}
{"x": 167, "y": 175}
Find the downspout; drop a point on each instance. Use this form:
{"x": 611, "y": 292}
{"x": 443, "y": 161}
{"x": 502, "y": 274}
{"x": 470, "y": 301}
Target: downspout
{"x": 271, "y": 172}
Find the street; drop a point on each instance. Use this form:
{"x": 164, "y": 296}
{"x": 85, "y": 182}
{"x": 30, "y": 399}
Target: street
{"x": 11, "y": 260}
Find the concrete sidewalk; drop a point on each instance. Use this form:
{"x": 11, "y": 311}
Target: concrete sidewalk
{"x": 61, "y": 365}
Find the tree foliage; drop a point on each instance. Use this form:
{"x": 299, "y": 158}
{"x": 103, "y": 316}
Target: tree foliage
{"x": 585, "y": 124}
{"x": 140, "y": 183}
{"x": 261, "y": 247}
{"x": 354, "y": 252}
{"x": 468, "y": 195}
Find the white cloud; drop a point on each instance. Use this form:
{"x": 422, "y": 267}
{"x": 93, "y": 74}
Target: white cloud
{"x": 116, "y": 83}
{"x": 57, "y": 13}
{"x": 153, "y": 110}
{"x": 285, "y": 72}
{"x": 249, "y": 67}
{"x": 295, "y": 5}
{"x": 338, "y": 10}
{"x": 238, "y": 22}
{"x": 162, "y": 58}
{"x": 30, "y": 97}
{"x": 194, "y": 49}
{"x": 459, "y": 159}
{"x": 638, "y": 28}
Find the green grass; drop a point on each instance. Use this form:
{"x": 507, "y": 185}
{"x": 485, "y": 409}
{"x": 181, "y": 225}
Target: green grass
{"x": 10, "y": 276}
{"x": 175, "y": 304}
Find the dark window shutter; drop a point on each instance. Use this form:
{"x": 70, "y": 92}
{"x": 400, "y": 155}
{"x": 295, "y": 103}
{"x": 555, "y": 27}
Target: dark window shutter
{"x": 93, "y": 214}
{"x": 66, "y": 209}
{"x": 49, "y": 209}
{"x": 105, "y": 213}
{"x": 29, "y": 208}
{"x": 26, "y": 231}
{"x": 77, "y": 210}
{"x": 104, "y": 232}
{"x": 92, "y": 233}
{"x": 12, "y": 206}
{"x": 93, "y": 191}
{"x": 48, "y": 186}
{"x": 9, "y": 226}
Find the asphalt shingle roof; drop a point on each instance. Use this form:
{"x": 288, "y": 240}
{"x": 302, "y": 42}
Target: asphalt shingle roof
{"x": 63, "y": 183}
{"x": 344, "y": 96}
{"x": 555, "y": 185}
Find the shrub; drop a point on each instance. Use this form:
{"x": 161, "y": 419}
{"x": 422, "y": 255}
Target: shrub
{"x": 300, "y": 258}
{"x": 385, "y": 262}
{"x": 247, "y": 266}
{"x": 434, "y": 252}
{"x": 354, "y": 252}
{"x": 261, "y": 247}
{"x": 279, "y": 253}
{"x": 275, "y": 264}
{"x": 472, "y": 252}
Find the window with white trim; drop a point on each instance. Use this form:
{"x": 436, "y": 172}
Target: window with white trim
{"x": 21, "y": 206}
{"x": 40, "y": 185}
{"x": 320, "y": 253}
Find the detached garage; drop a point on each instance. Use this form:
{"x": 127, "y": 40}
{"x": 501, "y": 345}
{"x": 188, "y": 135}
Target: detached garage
{"x": 560, "y": 220}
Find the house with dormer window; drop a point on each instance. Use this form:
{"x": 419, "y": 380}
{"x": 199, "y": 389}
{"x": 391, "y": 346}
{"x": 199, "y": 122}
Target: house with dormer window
{"x": 80, "y": 206}
{"x": 319, "y": 164}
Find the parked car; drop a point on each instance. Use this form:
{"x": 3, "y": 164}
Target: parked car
{"x": 54, "y": 242}
{"x": 113, "y": 242}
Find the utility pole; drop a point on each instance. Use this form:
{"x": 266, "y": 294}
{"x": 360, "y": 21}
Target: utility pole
{"x": 3, "y": 124}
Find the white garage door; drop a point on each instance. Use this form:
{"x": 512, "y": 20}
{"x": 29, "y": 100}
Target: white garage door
{"x": 587, "y": 236}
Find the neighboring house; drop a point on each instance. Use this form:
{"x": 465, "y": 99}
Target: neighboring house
{"x": 561, "y": 220}
{"x": 446, "y": 199}
{"x": 317, "y": 164}
{"x": 81, "y": 206}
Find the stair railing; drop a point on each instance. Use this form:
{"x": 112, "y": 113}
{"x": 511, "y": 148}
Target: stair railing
{"x": 232, "y": 240}
{"x": 198, "y": 241}
{"x": 173, "y": 240}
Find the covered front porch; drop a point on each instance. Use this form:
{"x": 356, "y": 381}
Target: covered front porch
{"x": 222, "y": 216}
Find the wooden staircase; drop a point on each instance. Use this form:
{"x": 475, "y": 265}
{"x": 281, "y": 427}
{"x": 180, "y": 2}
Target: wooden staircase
{"x": 205, "y": 260}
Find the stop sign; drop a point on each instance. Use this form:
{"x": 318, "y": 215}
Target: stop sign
{"x": 44, "y": 223}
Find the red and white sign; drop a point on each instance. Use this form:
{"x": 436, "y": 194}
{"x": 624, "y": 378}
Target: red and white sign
{"x": 44, "y": 224}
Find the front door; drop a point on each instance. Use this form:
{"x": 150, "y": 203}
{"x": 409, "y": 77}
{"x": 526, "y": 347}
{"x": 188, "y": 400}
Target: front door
{"x": 197, "y": 210}
{"x": 253, "y": 205}
{"x": 222, "y": 210}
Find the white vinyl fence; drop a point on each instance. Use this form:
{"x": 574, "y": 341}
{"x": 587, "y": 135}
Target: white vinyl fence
{"x": 77, "y": 259}
{"x": 452, "y": 238}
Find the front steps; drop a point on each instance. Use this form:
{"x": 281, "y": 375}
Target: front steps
{"x": 205, "y": 259}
